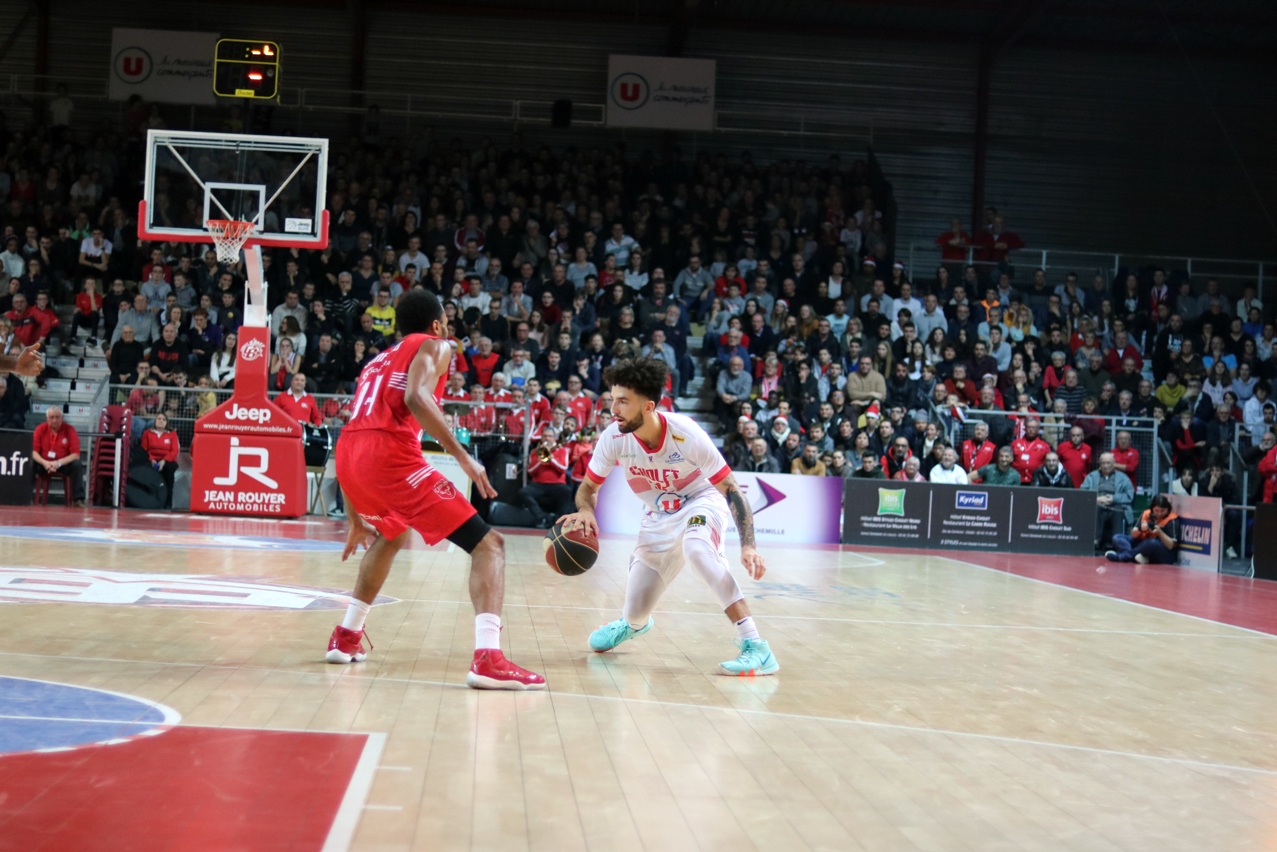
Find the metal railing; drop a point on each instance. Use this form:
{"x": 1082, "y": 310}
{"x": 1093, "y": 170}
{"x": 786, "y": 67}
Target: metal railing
{"x": 1055, "y": 430}
{"x": 924, "y": 257}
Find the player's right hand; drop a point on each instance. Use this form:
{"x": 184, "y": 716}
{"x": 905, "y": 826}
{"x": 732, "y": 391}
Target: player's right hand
{"x": 581, "y": 520}
{"x": 358, "y": 534}
{"x": 478, "y": 476}
{"x": 30, "y": 361}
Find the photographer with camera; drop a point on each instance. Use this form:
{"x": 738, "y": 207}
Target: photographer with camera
{"x": 1154, "y": 539}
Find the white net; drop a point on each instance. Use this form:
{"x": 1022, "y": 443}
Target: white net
{"x": 229, "y": 236}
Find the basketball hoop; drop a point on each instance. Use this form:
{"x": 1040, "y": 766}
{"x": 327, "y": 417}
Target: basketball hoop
{"x": 229, "y": 236}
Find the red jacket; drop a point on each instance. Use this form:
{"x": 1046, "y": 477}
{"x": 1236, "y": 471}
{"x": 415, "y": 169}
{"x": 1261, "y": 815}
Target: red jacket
{"x": 1029, "y": 456}
{"x": 1268, "y": 469}
{"x": 1113, "y": 363}
{"x": 480, "y": 419}
{"x": 1076, "y": 460}
{"x": 986, "y": 241}
{"x": 970, "y": 391}
{"x": 553, "y": 470}
{"x": 161, "y": 446}
{"x": 49, "y": 446}
{"x": 1130, "y": 458}
{"x": 482, "y": 367}
{"x": 958, "y": 252}
{"x": 974, "y": 458}
{"x": 28, "y": 326}
{"x": 86, "y": 304}
{"x": 305, "y": 409}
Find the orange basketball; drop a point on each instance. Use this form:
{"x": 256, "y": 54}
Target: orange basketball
{"x": 570, "y": 553}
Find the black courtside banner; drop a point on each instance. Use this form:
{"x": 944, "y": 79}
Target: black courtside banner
{"x": 968, "y": 517}
{"x": 17, "y": 470}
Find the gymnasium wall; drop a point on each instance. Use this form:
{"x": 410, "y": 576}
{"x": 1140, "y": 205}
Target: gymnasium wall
{"x": 1087, "y": 149}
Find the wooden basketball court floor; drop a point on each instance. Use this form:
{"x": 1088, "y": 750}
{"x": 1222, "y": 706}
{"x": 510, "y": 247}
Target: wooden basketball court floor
{"x": 927, "y": 701}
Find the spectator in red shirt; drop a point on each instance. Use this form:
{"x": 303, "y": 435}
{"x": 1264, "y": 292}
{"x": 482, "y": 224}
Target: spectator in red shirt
{"x": 1030, "y": 451}
{"x": 298, "y": 403}
{"x": 1125, "y": 457}
{"x": 1075, "y": 454}
{"x": 978, "y": 450}
{"x": 516, "y": 421}
{"x": 954, "y": 243}
{"x": 88, "y": 310}
{"x": 498, "y": 393}
{"x": 966, "y": 389}
{"x": 161, "y": 446}
{"x": 995, "y": 243}
{"x": 480, "y": 417}
{"x": 1122, "y": 349}
{"x": 484, "y": 363}
{"x": 455, "y": 390}
{"x": 55, "y": 447}
{"x": 541, "y": 406}
{"x": 44, "y": 313}
{"x": 547, "y": 468}
{"x": 146, "y": 400}
{"x": 27, "y": 325}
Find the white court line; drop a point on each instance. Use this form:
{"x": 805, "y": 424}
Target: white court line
{"x": 394, "y": 768}
{"x": 956, "y": 624}
{"x": 353, "y": 803}
{"x": 125, "y": 722}
{"x": 1107, "y": 597}
{"x": 383, "y": 807}
{"x": 372, "y": 679}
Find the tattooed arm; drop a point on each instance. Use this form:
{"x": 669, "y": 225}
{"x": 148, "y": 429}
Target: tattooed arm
{"x": 744, "y": 518}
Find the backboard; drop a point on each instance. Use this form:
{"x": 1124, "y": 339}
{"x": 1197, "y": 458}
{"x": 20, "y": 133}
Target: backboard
{"x": 278, "y": 182}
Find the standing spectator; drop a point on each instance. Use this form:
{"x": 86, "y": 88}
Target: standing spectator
{"x": 298, "y": 403}
{"x": 1113, "y": 503}
{"x": 55, "y": 447}
{"x": 1031, "y": 451}
{"x": 161, "y": 446}
{"x": 978, "y": 450}
{"x": 1154, "y": 540}
{"x": 145, "y": 328}
{"x": 1125, "y": 457}
{"x": 1075, "y": 454}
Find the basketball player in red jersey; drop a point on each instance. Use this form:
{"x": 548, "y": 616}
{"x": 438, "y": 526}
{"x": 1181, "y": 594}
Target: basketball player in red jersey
{"x": 389, "y": 489}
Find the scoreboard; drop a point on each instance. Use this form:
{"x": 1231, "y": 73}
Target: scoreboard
{"x": 243, "y": 68}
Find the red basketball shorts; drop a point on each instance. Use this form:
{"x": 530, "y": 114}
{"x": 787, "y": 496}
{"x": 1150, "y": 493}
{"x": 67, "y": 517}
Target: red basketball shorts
{"x": 393, "y": 489}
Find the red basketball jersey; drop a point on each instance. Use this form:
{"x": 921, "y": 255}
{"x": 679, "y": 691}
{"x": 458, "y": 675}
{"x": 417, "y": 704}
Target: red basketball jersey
{"x": 379, "y": 397}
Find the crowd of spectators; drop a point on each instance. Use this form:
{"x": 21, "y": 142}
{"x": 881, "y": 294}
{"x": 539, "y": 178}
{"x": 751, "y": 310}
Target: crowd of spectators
{"x": 820, "y": 355}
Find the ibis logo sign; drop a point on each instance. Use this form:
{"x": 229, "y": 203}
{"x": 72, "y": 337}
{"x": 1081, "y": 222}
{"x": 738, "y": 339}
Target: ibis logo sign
{"x": 657, "y": 91}
{"x": 891, "y": 502}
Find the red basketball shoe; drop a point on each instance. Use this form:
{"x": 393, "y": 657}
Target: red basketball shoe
{"x": 346, "y": 646}
{"x": 491, "y": 670}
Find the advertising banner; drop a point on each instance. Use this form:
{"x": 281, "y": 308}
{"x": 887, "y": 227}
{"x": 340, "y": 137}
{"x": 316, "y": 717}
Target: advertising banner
{"x": 787, "y": 508}
{"x": 247, "y": 456}
{"x": 173, "y": 67}
{"x": 887, "y": 513}
{"x": 17, "y": 470}
{"x": 656, "y": 91}
{"x": 1201, "y": 524}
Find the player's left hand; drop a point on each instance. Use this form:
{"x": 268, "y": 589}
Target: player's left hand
{"x": 753, "y": 562}
{"x": 359, "y": 534}
{"x": 30, "y": 362}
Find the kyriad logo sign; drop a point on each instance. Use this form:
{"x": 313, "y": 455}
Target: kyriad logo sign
{"x": 974, "y": 500}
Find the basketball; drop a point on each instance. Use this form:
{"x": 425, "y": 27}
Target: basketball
{"x": 570, "y": 553}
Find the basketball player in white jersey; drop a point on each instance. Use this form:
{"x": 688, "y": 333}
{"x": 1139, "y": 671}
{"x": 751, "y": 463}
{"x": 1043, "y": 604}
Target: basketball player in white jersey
{"x": 689, "y": 491}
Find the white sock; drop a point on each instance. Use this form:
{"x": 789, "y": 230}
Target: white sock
{"x": 356, "y": 613}
{"x": 487, "y": 631}
{"x": 745, "y": 628}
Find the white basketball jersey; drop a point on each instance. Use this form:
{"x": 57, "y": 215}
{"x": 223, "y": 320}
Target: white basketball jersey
{"x": 684, "y": 463}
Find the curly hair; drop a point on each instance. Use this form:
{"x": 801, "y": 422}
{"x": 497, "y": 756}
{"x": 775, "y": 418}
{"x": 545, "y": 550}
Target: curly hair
{"x": 644, "y": 376}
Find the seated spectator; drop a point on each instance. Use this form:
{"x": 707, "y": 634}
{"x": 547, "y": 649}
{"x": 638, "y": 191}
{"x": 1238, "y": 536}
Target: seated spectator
{"x": 869, "y": 468}
{"x": 893, "y": 461}
{"x": 1187, "y": 438}
{"x": 1113, "y": 505}
{"x": 145, "y": 401}
{"x": 55, "y": 447}
{"x": 1185, "y": 485}
{"x": 759, "y": 459}
{"x": 13, "y": 402}
{"x": 998, "y": 473}
{"x": 808, "y": 463}
{"x": 298, "y": 403}
{"x": 161, "y": 445}
{"x": 480, "y": 417}
{"x": 948, "y": 471}
{"x": 548, "y": 465}
{"x": 911, "y": 471}
{"x": 1153, "y": 540}
{"x": 1052, "y": 474}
